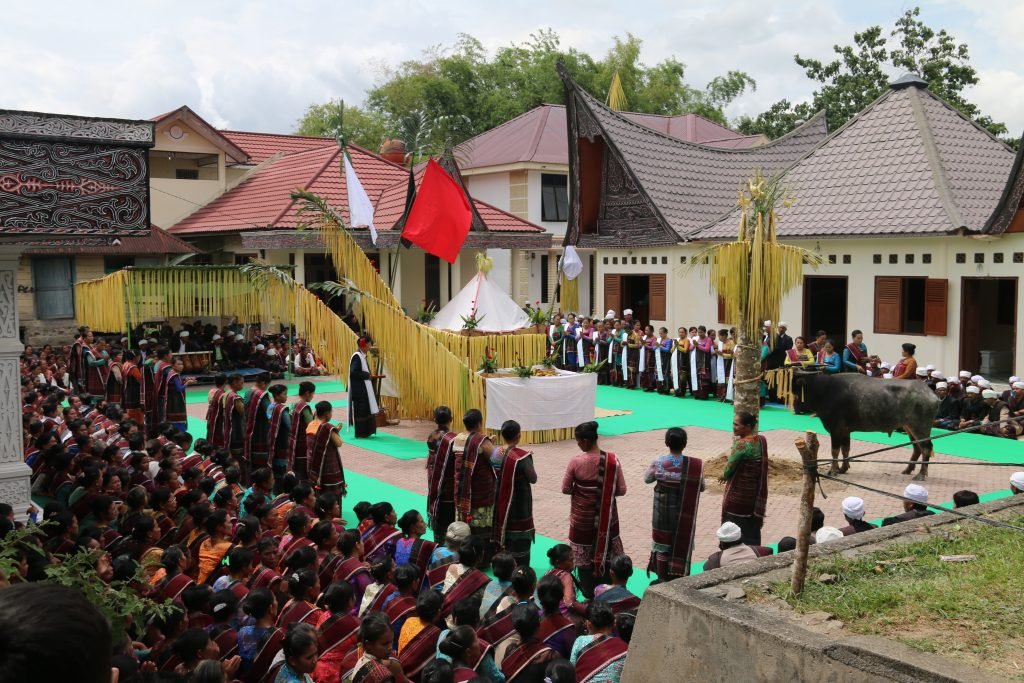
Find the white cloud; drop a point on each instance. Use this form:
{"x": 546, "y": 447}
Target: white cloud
{"x": 257, "y": 65}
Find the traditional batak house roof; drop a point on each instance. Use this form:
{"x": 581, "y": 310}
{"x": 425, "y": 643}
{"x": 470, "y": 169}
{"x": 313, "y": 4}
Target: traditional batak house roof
{"x": 540, "y": 136}
{"x": 157, "y": 242}
{"x": 907, "y": 165}
{"x": 1008, "y": 215}
{"x": 262, "y": 212}
{"x": 632, "y": 185}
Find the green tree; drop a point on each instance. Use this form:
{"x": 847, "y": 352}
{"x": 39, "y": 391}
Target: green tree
{"x": 862, "y": 71}
{"x": 364, "y": 127}
{"x": 453, "y": 93}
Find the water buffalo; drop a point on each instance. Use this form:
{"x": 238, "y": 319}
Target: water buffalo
{"x": 851, "y": 402}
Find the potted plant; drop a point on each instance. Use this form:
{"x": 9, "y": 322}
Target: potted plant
{"x": 471, "y": 322}
{"x": 538, "y": 317}
{"x": 489, "y": 366}
{"x": 426, "y": 313}
{"x": 522, "y": 371}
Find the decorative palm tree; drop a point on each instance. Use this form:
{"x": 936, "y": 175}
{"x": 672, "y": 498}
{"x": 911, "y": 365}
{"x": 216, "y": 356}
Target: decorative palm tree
{"x": 751, "y": 275}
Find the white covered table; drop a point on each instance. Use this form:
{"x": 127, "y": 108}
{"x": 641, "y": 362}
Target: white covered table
{"x": 559, "y": 401}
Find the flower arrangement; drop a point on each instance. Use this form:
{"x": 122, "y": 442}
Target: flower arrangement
{"x": 489, "y": 364}
{"x": 594, "y": 367}
{"x": 538, "y": 316}
{"x": 471, "y": 322}
{"x": 522, "y": 371}
{"x": 548, "y": 361}
{"x": 427, "y": 312}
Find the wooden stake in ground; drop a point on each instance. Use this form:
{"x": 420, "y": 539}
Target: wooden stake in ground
{"x": 808, "y": 447}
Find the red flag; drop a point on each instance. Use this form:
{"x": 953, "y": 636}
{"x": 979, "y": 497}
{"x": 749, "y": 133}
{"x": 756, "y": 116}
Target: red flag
{"x": 440, "y": 217}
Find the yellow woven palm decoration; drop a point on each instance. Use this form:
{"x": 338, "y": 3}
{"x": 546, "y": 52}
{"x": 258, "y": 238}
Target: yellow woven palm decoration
{"x": 752, "y": 274}
{"x": 616, "y": 95}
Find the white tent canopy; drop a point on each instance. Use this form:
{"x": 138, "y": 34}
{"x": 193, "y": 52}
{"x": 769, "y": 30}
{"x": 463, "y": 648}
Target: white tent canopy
{"x": 494, "y": 308}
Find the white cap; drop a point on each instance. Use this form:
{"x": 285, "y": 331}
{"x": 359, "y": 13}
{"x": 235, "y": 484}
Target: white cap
{"x": 183, "y": 333}
{"x": 143, "y": 341}
{"x": 271, "y": 352}
{"x": 260, "y": 347}
{"x": 1018, "y": 385}
{"x": 152, "y": 340}
{"x": 124, "y": 339}
{"x": 239, "y": 336}
{"x": 887, "y": 375}
{"x": 988, "y": 393}
{"x": 942, "y": 385}
{"x": 929, "y": 367}
{"x": 937, "y": 375}
{"x": 916, "y": 493}
{"x": 609, "y": 314}
{"x": 973, "y": 390}
{"x": 729, "y": 533}
{"x": 921, "y": 372}
{"x": 782, "y": 324}
{"x": 1017, "y": 480}
{"x": 767, "y": 323}
{"x": 216, "y": 337}
{"x": 564, "y": 321}
{"x": 952, "y": 380}
{"x": 827, "y": 533}
{"x": 627, "y": 311}
{"x": 1013, "y": 379}
{"x": 985, "y": 384}
{"x": 976, "y": 378}
{"x": 885, "y": 365}
{"x": 853, "y": 507}
{"x": 964, "y": 374}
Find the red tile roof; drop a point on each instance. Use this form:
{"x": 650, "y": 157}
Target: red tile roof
{"x": 540, "y": 136}
{"x": 193, "y": 120}
{"x": 263, "y": 200}
{"x": 261, "y": 146}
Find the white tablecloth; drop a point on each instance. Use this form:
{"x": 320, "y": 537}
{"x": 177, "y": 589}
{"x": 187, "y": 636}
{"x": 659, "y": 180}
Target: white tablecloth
{"x": 563, "y": 400}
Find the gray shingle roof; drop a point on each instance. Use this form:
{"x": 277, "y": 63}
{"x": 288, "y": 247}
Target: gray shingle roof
{"x": 693, "y": 184}
{"x": 909, "y": 164}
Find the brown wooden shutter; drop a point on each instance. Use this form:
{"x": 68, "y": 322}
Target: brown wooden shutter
{"x": 613, "y": 293}
{"x": 656, "y": 289}
{"x": 721, "y": 311}
{"x": 887, "y": 305}
{"x": 935, "y": 307}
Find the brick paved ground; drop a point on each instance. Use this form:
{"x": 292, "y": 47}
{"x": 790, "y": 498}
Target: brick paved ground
{"x": 638, "y": 449}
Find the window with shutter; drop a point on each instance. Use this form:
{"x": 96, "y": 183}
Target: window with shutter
{"x": 935, "y": 307}
{"x": 657, "y": 293}
{"x": 887, "y": 305}
{"x": 613, "y": 293}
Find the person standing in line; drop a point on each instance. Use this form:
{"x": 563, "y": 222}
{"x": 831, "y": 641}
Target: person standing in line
{"x": 678, "y": 482}
{"x": 441, "y": 474}
{"x": 746, "y": 479}
{"x": 325, "y": 468}
{"x": 513, "y": 509}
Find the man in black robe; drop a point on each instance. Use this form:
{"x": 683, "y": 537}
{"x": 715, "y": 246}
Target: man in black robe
{"x": 362, "y": 401}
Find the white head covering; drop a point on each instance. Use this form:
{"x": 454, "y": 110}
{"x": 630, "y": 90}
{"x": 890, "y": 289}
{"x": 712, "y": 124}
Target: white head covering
{"x": 271, "y": 352}
{"x": 124, "y": 339}
{"x": 885, "y": 365}
{"x": 239, "y": 336}
{"x": 216, "y": 337}
{"x": 783, "y": 324}
{"x": 853, "y": 507}
{"x": 937, "y": 375}
{"x": 952, "y": 380}
{"x": 729, "y": 533}
{"x": 887, "y": 375}
{"x": 973, "y": 390}
{"x": 1017, "y": 480}
{"x": 941, "y": 385}
{"x": 564, "y": 321}
{"x": 1018, "y": 385}
{"x": 988, "y": 393}
{"x": 916, "y": 493}
{"x": 929, "y": 367}
{"x": 976, "y": 378}
{"x": 609, "y": 314}
{"x": 143, "y": 341}
{"x": 457, "y": 532}
{"x": 1013, "y": 379}
{"x": 921, "y": 372}
{"x": 767, "y": 323}
{"x": 985, "y": 384}
{"x": 964, "y": 374}
{"x": 152, "y": 340}
{"x": 260, "y": 347}
{"x": 827, "y": 533}
{"x": 627, "y": 311}
{"x": 183, "y": 333}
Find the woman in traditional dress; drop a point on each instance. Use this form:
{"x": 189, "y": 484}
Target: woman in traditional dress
{"x": 115, "y": 377}
{"x": 413, "y": 548}
{"x": 679, "y": 362}
{"x": 379, "y": 540}
{"x": 175, "y": 410}
{"x": 561, "y": 558}
{"x": 464, "y": 649}
{"x": 616, "y": 594}
{"x": 593, "y": 479}
{"x": 300, "y": 655}
{"x": 678, "y": 481}
{"x": 599, "y": 655}
{"x": 513, "y": 510}
{"x": 634, "y": 350}
{"x": 700, "y": 364}
{"x": 527, "y": 661}
{"x": 441, "y": 474}
{"x": 325, "y": 468}
{"x": 338, "y": 635}
{"x": 133, "y": 396}
{"x": 304, "y": 587}
{"x": 376, "y": 664}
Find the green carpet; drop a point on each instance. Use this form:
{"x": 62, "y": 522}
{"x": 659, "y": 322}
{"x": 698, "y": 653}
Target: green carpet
{"x": 390, "y": 445}
{"x": 198, "y": 394}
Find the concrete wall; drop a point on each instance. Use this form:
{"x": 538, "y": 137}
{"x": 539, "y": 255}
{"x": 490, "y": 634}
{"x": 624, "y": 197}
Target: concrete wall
{"x": 703, "y": 628}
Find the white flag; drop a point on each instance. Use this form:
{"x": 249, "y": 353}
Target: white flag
{"x": 360, "y": 208}
{"x": 572, "y": 266}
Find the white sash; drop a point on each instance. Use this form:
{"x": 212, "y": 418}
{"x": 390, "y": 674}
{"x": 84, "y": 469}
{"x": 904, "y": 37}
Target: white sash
{"x": 643, "y": 354}
{"x": 657, "y": 363}
{"x": 720, "y": 365}
{"x": 581, "y": 360}
{"x": 374, "y": 409}
{"x": 693, "y": 364}
{"x": 611, "y": 349}
{"x": 565, "y": 344}
{"x": 625, "y": 363}
{"x": 732, "y": 375}
{"x": 675, "y": 367}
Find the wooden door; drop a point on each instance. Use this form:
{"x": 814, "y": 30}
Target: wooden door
{"x": 613, "y": 293}
{"x": 658, "y": 294}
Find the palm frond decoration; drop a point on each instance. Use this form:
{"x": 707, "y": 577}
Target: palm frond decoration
{"x": 616, "y": 95}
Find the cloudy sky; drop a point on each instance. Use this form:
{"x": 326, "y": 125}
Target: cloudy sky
{"x": 257, "y": 64}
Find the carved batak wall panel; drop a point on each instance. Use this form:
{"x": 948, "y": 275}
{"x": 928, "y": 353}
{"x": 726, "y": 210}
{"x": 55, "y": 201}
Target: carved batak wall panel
{"x": 626, "y": 213}
{"x": 73, "y": 176}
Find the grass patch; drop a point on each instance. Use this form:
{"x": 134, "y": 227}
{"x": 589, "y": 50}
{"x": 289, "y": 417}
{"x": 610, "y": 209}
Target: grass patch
{"x": 970, "y": 611}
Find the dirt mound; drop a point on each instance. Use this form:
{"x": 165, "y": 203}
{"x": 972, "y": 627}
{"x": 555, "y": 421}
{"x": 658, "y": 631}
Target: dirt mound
{"x": 784, "y": 476}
